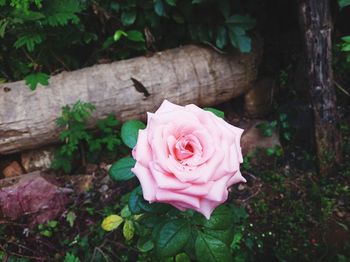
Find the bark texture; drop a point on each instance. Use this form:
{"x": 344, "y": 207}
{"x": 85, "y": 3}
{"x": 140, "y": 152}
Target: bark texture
{"x": 316, "y": 24}
{"x": 185, "y": 75}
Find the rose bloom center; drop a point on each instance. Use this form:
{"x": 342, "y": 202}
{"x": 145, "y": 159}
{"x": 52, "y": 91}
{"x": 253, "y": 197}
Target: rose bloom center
{"x": 187, "y": 147}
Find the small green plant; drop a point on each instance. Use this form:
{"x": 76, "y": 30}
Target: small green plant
{"x": 345, "y": 47}
{"x": 267, "y": 128}
{"x": 71, "y": 258}
{"x": 48, "y": 229}
{"x": 80, "y": 142}
{"x": 276, "y": 151}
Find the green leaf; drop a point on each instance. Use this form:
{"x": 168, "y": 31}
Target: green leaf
{"x": 125, "y": 213}
{"x": 210, "y": 249}
{"x": 182, "y": 257}
{"x": 109, "y": 41}
{"x": 134, "y": 201}
{"x": 235, "y": 245}
{"x": 345, "y": 47}
{"x": 52, "y": 223}
{"x": 221, "y": 218}
{"x": 145, "y": 244}
{"x": 130, "y": 132}
{"x": 118, "y": 34}
{"x": 244, "y": 21}
{"x": 171, "y": 2}
{"x": 71, "y": 216}
{"x": 128, "y": 17}
{"x": 71, "y": 258}
{"x": 172, "y": 237}
{"x": 111, "y": 222}
{"x": 287, "y": 136}
{"x": 46, "y": 233}
{"x": 343, "y": 3}
{"x": 242, "y": 42}
{"x": 27, "y": 15}
{"x": 121, "y": 170}
{"x": 159, "y": 8}
{"x": 221, "y": 37}
{"x": 346, "y": 38}
{"x": 61, "y": 12}
{"x": 128, "y": 230}
{"x": 135, "y": 36}
{"x": 138, "y": 205}
{"x": 29, "y": 40}
{"x": 34, "y": 79}
{"x": 3, "y": 24}
{"x": 216, "y": 112}
{"x": 270, "y": 151}
{"x": 225, "y": 235}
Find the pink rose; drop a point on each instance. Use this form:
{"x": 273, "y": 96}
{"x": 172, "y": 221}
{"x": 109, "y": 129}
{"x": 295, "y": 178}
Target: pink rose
{"x": 187, "y": 157}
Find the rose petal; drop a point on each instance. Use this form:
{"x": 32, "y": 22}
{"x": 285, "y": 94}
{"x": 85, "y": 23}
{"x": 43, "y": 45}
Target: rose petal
{"x": 197, "y": 189}
{"x": 236, "y": 178}
{"x": 170, "y": 197}
{"x": 167, "y": 106}
{"x": 164, "y": 180}
{"x": 212, "y": 167}
{"x": 207, "y": 207}
{"x": 218, "y": 191}
{"x": 146, "y": 180}
{"x": 142, "y": 151}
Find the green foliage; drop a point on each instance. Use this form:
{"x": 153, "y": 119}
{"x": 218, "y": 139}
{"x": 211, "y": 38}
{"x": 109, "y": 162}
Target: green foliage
{"x": 34, "y": 79}
{"x": 267, "y": 128}
{"x": 71, "y": 217}
{"x": 343, "y": 3}
{"x": 71, "y": 258}
{"x": 215, "y": 111}
{"x": 76, "y": 137}
{"x": 345, "y": 47}
{"x": 29, "y": 41}
{"x": 130, "y": 131}
{"x": 112, "y": 222}
{"x": 211, "y": 249}
{"x": 48, "y": 229}
{"x": 56, "y": 35}
{"x": 171, "y": 237}
{"x": 61, "y": 12}
{"x": 161, "y": 232}
{"x": 121, "y": 170}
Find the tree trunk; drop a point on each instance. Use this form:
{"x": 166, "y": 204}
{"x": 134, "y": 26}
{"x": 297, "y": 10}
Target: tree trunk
{"x": 316, "y": 23}
{"x": 128, "y": 88}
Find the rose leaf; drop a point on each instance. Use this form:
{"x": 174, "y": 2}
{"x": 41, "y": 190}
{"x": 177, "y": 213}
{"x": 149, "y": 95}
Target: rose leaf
{"x": 121, "y": 170}
{"x": 172, "y": 237}
{"x": 216, "y": 112}
{"x": 210, "y": 249}
{"x": 130, "y": 132}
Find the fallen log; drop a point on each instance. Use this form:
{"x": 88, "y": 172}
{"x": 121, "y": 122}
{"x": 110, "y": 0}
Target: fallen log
{"x": 128, "y": 88}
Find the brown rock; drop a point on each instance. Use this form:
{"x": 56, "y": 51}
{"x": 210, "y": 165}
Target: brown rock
{"x": 34, "y": 197}
{"x": 39, "y": 159}
{"x": 253, "y": 139}
{"x": 13, "y": 169}
{"x": 258, "y": 101}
